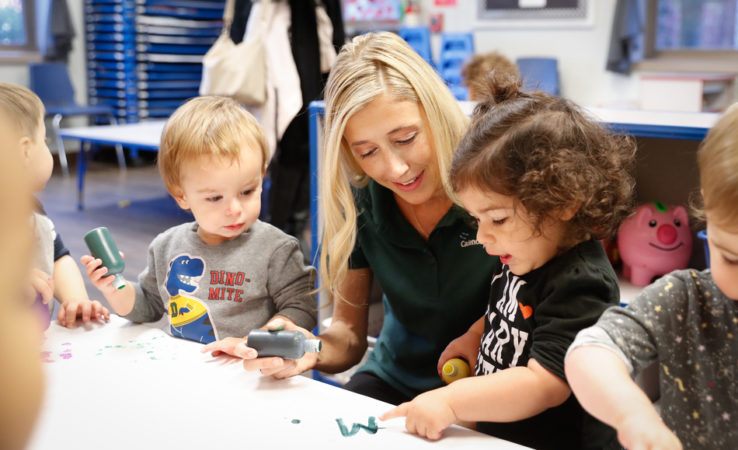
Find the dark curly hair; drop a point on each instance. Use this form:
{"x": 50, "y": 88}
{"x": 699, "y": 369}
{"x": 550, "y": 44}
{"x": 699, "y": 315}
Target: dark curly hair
{"x": 545, "y": 152}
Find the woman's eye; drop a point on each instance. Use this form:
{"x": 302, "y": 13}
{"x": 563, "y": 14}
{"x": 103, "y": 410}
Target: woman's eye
{"x": 499, "y": 221}
{"x": 407, "y": 141}
{"x": 367, "y": 153}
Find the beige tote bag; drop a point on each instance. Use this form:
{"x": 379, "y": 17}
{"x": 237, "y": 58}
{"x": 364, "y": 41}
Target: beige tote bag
{"x": 237, "y": 70}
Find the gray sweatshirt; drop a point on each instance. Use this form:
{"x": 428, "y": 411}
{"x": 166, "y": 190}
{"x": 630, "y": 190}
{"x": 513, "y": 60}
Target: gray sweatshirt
{"x": 212, "y": 292}
{"x": 685, "y": 323}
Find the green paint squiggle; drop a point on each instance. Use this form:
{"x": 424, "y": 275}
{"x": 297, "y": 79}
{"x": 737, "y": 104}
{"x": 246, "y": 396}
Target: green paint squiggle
{"x": 370, "y": 428}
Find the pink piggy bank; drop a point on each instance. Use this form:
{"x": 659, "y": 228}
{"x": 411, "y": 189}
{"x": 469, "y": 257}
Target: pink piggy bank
{"x": 654, "y": 241}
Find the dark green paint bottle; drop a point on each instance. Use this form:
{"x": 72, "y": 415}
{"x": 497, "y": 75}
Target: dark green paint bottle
{"x": 285, "y": 344}
{"x": 102, "y": 246}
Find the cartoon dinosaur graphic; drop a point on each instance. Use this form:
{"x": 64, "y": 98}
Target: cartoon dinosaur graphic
{"x": 189, "y": 318}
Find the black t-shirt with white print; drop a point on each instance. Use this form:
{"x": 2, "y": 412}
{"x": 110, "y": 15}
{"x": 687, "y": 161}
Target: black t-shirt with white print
{"x": 537, "y": 316}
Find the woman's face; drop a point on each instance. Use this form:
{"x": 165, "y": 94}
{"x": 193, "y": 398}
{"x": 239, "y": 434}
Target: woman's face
{"x": 391, "y": 143}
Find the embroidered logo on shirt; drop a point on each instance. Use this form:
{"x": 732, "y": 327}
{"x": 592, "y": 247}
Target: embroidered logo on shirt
{"x": 467, "y": 241}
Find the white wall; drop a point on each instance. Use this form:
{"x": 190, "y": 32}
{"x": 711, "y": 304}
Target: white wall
{"x": 18, "y": 73}
{"x": 581, "y": 49}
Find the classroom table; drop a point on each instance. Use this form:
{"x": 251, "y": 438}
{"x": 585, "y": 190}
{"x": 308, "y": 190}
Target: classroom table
{"x": 121, "y": 386}
{"x": 135, "y": 136}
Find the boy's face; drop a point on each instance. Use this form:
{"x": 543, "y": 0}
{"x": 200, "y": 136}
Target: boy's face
{"x": 723, "y": 246}
{"x": 223, "y": 195}
{"x": 506, "y": 230}
{"x": 37, "y": 157}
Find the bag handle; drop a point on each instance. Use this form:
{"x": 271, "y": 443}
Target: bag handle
{"x": 229, "y": 11}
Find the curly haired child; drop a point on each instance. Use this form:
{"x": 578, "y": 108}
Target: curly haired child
{"x": 544, "y": 182}
{"x": 687, "y": 322}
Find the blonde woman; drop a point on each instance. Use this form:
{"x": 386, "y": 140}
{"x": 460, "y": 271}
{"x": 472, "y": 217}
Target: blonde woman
{"x": 390, "y": 132}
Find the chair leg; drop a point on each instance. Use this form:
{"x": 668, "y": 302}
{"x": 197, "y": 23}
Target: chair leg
{"x": 56, "y": 126}
{"x": 118, "y": 148}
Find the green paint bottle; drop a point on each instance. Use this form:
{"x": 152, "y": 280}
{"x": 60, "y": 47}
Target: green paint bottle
{"x": 285, "y": 344}
{"x": 102, "y": 246}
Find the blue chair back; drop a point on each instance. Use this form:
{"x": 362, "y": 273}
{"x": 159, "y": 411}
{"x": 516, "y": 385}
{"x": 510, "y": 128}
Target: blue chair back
{"x": 457, "y": 42}
{"x": 50, "y": 81}
{"x": 419, "y": 40}
{"x": 540, "y": 74}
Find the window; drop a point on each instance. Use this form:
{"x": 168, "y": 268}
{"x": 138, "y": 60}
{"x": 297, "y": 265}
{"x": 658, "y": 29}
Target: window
{"x": 17, "y": 31}
{"x": 691, "y": 36}
{"x": 696, "y": 25}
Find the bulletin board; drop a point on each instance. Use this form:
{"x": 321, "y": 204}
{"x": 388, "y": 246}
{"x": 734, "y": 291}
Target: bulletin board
{"x": 533, "y": 9}
{"x": 372, "y": 10}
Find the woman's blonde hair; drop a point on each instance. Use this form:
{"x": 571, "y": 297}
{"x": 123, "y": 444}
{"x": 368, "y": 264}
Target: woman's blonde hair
{"x": 203, "y": 127}
{"x": 369, "y": 66}
{"x": 718, "y": 163}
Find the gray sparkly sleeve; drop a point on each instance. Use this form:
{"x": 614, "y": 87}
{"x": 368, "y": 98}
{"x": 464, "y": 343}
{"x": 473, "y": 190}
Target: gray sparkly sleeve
{"x": 596, "y": 336}
{"x": 639, "y": 330}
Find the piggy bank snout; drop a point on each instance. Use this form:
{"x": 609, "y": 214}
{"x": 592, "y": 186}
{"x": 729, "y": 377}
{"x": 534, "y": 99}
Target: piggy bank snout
{"x": 666, "y": 234}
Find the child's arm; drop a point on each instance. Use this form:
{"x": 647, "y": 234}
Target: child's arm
{"x": 489, "y": 398}
{"x": 122, "y": 300}
{"x": 42, "y": 284}
{"x": 343, "y": 343}
{"x": 603, "y": 386}
{"x": 290, "y": 285}
{"x": 72, "y": 295}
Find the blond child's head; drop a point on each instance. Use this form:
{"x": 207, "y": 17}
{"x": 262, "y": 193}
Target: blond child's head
{"x": 212, "y": 158}
{"x": 477, "y": 70}
{"x": 718, "y": 164}
{"x": 22, "y": 120}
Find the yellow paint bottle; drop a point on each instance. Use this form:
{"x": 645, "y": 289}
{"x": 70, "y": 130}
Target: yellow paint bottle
{"x": 455, "y": 369}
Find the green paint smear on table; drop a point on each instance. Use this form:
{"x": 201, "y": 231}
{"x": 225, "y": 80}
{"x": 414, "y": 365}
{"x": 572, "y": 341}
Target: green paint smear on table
{"x": 370, "y": 428}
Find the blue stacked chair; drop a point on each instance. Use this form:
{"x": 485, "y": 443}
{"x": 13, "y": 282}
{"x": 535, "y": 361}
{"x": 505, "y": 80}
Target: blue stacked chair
{"x": 52, "y": 84}
{"x": 456, "y": 49}
{"x": 144, "y": 57}
{"x": 419, "y": 40}
{"x": 540, "y": 74}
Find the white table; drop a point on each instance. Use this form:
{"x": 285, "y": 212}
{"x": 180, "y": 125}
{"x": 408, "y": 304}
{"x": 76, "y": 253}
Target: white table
{"x": 125, "y": 386}
{"x": 135, "y": 136}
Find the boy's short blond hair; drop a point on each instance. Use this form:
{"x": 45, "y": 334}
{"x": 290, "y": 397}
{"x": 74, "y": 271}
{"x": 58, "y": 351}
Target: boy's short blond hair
{"x": 21, "y": 106}
{"x": 206, "y": 127}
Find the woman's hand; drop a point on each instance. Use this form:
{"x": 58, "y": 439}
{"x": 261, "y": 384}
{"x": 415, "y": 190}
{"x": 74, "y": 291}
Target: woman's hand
{"x": 465, "y": 346}
{"x": 269, "y": 366}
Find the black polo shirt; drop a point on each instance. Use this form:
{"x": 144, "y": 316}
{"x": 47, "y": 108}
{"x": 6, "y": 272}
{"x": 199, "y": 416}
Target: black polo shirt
{"x": 434, "y": 290}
